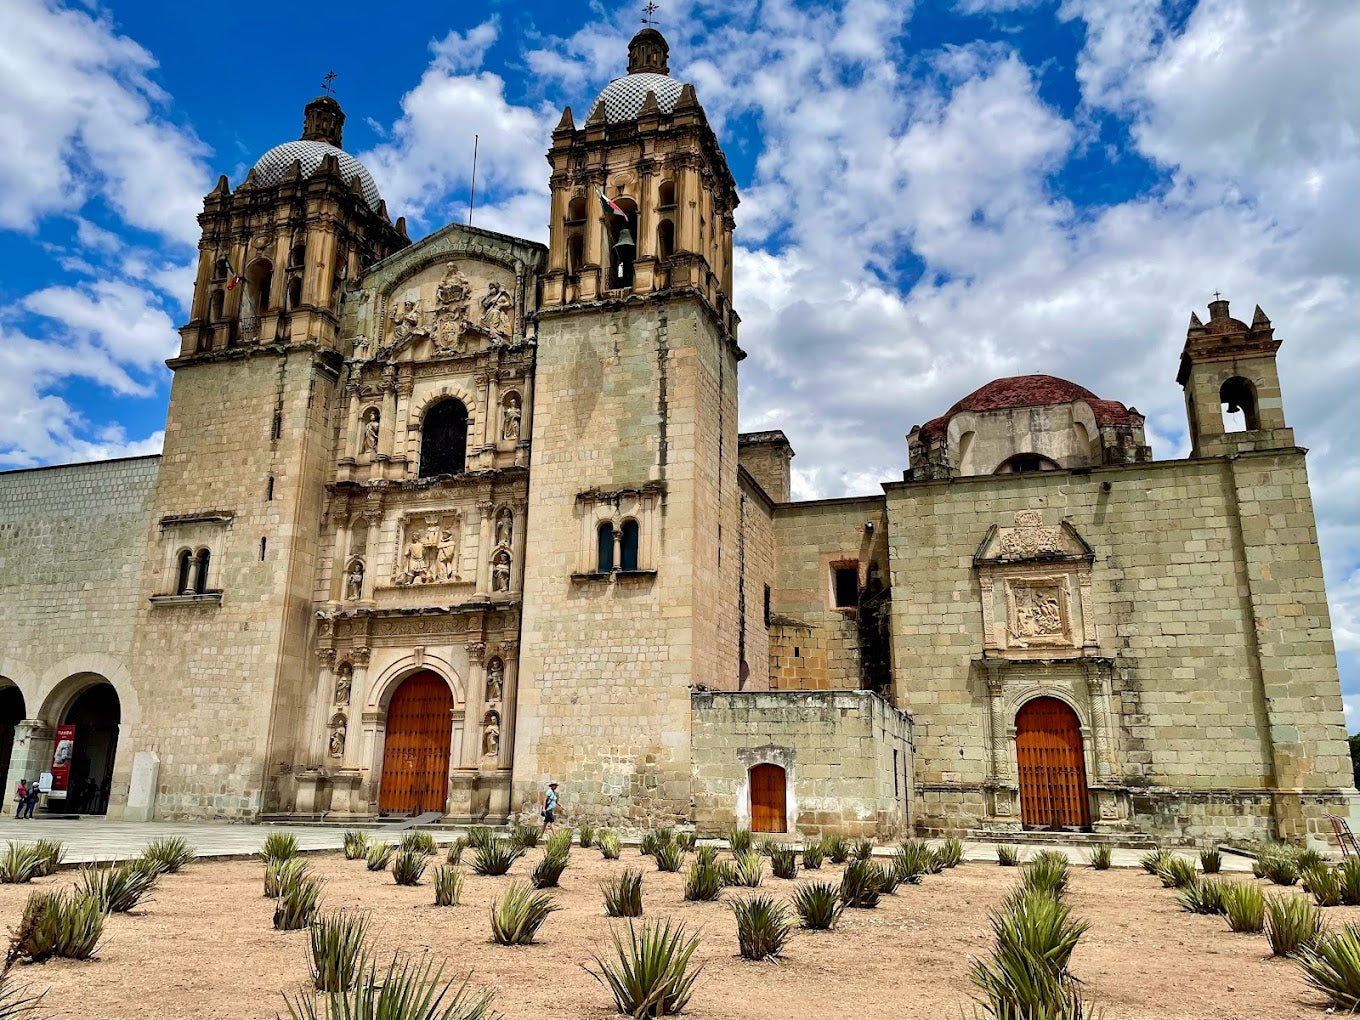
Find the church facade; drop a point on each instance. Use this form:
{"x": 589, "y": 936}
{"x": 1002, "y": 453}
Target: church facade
{"x": 438, "y": 522}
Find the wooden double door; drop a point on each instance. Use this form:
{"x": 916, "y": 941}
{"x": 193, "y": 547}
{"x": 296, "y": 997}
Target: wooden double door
{"x": 769, "y": 812}
{"x": 1052, "y": 766}
{"x": 415, "y": 774}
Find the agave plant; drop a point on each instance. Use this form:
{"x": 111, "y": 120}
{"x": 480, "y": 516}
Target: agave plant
{"x": 1048, "y": 872}
{"x": 408, "y": 990}
{"x": 1008, "y": 856}
{"x": 623, "y": 894}
{"x": 448, "y": 885}
{"x": 651, "y": 974}
{"x": 379, "y": 853}
{"x": 1153, "y": 860}
{"x": 496, "y": 857}
{"x": 813, "y": 855}
{"x": 1203, "y": 896}
{"x": 480, "y": 836}
{"x": 587, "y": 836}
{"x": 456, "y": 848}
{"x": 1331, "y": 964}
{"x": 50, "y": 853}
{"x": 1101, "y": 857}
{"x": 356, "y": 845}
{"x": 1027, "y": 975}
{"x": 559, "y": 841}
{"x": 653, "y": 840}
{"x": 703, "y": 881}
{"x": 862, "y": 849}
{"x": 707, "y": 854}
{"x": 277, "y": 874}
{"x": 1210, "y": 861}
{"x": 685, "y": 841}
{"x": 549, "y": 870}
{"x": 784, "y": 863}
{"x": 279, "y": 846}
{"x": 911, "y": 862}
{"x": 763, "y": 927}
{"x": 117, "y": 888}
{"x": 727, "y": 873}
{"x": 1245, "y": 907}
{"x": 739, "y": 840}
{"x": 950, "y": 852}
{"x": 421, "y": 842}
{"x": 336, "y": 949}
{"x": 525, "y": 835}
{"x": 297, "y": 904}
{"x": 1291, "y": 923}
{"x": 170, "y": 854}
{"x": 750, "y": 867}
{"x": 517, "y": 915}
{"x": 837, "y": 849}
{"x": 1324, "y": 882}
{"x": 860, "y": 885}
{"x": 408, "y": 866}
{"x": 20, "y": 863}
{"x": 1176, "y": 872}
{"x": 62, "y": 924}
{"x": 608, "y": 842}
{"x": 669, "y": 857}
{"x": 1349, "y": 875}
{"x": 15, "y": 1001}
{"x": 819, "y": 905}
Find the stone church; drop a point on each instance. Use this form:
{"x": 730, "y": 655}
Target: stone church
{"x": 438, "y": 522}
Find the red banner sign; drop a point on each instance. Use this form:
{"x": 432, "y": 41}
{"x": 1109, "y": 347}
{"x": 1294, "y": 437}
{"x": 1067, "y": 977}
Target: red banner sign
{"x": 61, "y": 760}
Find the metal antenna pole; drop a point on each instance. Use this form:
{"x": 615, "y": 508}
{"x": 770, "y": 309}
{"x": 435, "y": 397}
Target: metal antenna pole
{"x": 472, "y": 197}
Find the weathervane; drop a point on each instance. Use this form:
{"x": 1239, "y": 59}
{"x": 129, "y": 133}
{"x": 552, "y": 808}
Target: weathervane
{"x": 650, "y": 12}
{"x": 326, "y": 86}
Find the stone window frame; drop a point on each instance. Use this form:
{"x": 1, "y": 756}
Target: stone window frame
{"x": 201, "y": 536}
{"x": 424, "y": 399}
{"x": 614, "y": 509}
{"x": 833, "y": 567}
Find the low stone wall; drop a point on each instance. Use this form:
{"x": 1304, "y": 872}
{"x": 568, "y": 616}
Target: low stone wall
{"x": 846, "y": 757}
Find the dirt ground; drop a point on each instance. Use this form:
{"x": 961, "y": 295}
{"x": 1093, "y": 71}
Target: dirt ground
{"x": 204, "y": 948}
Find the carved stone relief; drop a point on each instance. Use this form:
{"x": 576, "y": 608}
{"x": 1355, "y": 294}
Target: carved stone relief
{"x": 344, "y": 681}
{"x": 1037, "y": 612}
{"x": 451, "y": 314}
{"x": 500, "y": 571}
{"x": 337, "y": 738}
{"x": 429, "y": 551}
{"x": 1029, "y": 538}
{"x": 498, "y": 310}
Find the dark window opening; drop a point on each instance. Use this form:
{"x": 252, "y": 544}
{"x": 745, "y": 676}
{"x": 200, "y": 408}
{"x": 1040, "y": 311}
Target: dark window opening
{"x": 263, "y": 543}
{"x": 294, "y": 292}
{"x": 576, "y": 253}
{"x": 622, "y": 241}
{"x": 215, "y": 304}
{"x": 604, "y": 547}
{"x": 183, "y": 580}
{"x": 795, "y": 652}
{"x": 201, "y": 571}
{"x": 297, "y": 258}
{"x": 443, "y": 441}
{"x": 276, "y": 429}
{"x": 269, "y": 489}
{"x": 628, "y": 546}
{"x": 1025, "y": 463}
{"x": 665, "y": 239}
{"x": 1238, "y": 397}
{"x": 767, "y": 607}
{"x": 666, "y": 194}
{"x": 846, "y": 581}
{"x": 221, "y": 269}
{"x": 259, "y": 283}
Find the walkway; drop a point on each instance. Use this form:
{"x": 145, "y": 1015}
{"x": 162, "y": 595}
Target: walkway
{"x": 95, "y": 839}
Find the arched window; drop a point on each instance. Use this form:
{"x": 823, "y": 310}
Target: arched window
{"x": 221, "y": 269}
{"x": 259, "y": 282}
{"x": 665, "y": 239}
{"x": 443, "y": 442}
{"x": 622, "y": 241}
{"x": 183, "y": 577}
{"x": 1238, "y": 397}
{"x": 576, "y": 253}
{"x": 201, "y": 571}
{"x": 604, "y": 542}
{"x": 215, "y": 304}
{"x": 1025, "y": 462}
{"x": 294, "y": 292}
{"x": 576, "y": 210}
{"x": 297, "y": 258}
{"x": 666, "y": 194}
{"x": 628, "y": 546}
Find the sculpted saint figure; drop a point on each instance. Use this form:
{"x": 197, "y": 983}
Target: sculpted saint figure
{"x": 497, "y": 308}
{"x": 372, "y": 422}
{"x": 513, "y": 414}
{"x": 414, "y": 566}
{"x": 504, "y": 528}
{"x": 354, "y": 580}
{"x": 338, "y": 741}
{"x": 342, "y": 687}
{"x": 495, "y": 680}
{"x": 406, "y": 321}
{"x": 500, "y": 572}
{"x": 491, "y": 740}
{"x": 446, "y": 568}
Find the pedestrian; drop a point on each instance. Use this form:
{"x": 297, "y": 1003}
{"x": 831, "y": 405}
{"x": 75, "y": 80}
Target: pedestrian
{"x": 20, "y": 796}
{"x": 31, "y": 799}
{"x": 549, "y": 809}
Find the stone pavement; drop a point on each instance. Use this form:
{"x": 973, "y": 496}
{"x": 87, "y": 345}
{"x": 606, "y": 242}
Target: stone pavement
{"x": 97, "y": 839}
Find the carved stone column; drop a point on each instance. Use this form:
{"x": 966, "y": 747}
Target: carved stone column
{"x": 517, "y": 543}
{"x": 402, "y": 413}
{"x": 1001, "y": 759}
{"x": 484, "y": 545}
{"x": 476, "y": 704}
{"x": 358, "y": 695}
{"x": 510, "y": 657}
{"x": 526, "y": 422}
{"x": 352, "y": 431}
{"x": 322, "y": 697}
{"x": 32, "y": 753}
{"x": 1100, "y": 719}
{"x": 373, "y": 728}
{"x": 372, "y": 549}
{"x": 387, "y": 430}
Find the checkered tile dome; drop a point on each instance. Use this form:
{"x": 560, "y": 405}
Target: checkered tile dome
{"x": 623, "y": 97}
{"x": 275, "y": 163}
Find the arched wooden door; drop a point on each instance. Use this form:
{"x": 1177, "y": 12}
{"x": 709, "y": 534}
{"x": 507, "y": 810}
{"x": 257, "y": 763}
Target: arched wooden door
{"x": 768, "y": 808}
{"x": 1052, "y": 766}
{"x": 415, "y": 775}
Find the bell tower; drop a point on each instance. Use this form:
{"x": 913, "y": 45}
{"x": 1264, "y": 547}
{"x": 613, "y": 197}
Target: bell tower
{"x": 631, "y": 557}
{"x": 1232, "y": 386}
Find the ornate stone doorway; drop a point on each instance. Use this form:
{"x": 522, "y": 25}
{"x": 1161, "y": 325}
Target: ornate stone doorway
{"x": 1052, "y": 766}
{"x": 768, "y": 806}
{"x": 415, "y": 772}
{"x": 96, "y": 715}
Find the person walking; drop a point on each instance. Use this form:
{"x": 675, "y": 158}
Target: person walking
{"x": 20, "y": 797}
{"x": 549, "y": 809}
{"x": 31, "y": 799}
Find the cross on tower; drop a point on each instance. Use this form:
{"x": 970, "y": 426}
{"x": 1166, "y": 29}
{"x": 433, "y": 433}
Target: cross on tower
{"x": 326, "y": 86}
{"x": 649, "y": 13}
{"x": 1216, "y": 295}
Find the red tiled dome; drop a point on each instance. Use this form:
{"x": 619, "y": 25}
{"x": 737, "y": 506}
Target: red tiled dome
{"x": 1031, "y": 391}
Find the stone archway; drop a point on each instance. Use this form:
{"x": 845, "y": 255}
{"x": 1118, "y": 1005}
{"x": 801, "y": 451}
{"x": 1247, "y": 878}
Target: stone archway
{"x": 1052, "y": 765}
{"x": 11, "y": 714}
{"x": 416, "y": 746}
{"x": 96, "y": 713}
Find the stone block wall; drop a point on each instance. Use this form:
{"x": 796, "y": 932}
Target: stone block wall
{"x": 846, "y": 756}
{"x": 754, "y": 548}
{"x": 72, "y": 541}
{"x": 1207, "y": 596}
{"x": 810, "y": 539}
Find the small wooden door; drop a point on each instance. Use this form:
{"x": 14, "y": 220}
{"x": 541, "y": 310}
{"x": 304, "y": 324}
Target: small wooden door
{"x": 415, "y": 775}
{"x": 1052, "y": 766}
{"x": 767, "y": 799}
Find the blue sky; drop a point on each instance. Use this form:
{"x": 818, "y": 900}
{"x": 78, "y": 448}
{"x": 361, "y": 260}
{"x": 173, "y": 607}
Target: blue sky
{"x": 932, "y": 196}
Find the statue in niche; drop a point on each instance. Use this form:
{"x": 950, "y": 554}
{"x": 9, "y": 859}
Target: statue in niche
{"x": 511, "y": 419}
{"x": 372, "y": 423}
{"x": 500, "y": 571}
{"x": 354, "y": 581}
{"x": 495, "y": 680}
{"x": 361, "y": 348}
{"x": 446, "y": 563}
{"x": 344, "y": 681}
{"x": 406, "y": 322}
{"x": 505, "y": 527}
{"x": 337, "y": 744}
{"x": 491, "y": 736}
{"x": 498, "y": 309}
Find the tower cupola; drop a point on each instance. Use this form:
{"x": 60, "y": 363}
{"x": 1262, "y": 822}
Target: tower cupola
{"x": 648, "y": 53}
{"x": 323, "y": 121}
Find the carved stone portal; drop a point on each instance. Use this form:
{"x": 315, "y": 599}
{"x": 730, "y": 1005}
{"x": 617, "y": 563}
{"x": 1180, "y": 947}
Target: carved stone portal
{"x": 430, "y": 549}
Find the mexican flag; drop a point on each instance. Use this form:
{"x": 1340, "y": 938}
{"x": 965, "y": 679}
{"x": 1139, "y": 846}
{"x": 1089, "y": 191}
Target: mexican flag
{"x": 608, "y": 205}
